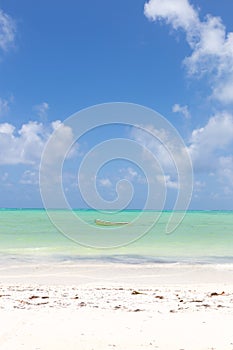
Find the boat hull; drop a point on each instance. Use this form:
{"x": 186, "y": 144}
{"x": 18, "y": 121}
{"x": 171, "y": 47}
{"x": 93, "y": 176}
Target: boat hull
{"x": 109, "y": 223}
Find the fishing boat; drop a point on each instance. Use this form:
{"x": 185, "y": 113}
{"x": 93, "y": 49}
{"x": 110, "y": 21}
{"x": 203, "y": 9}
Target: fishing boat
{"x": 109, "y": 223}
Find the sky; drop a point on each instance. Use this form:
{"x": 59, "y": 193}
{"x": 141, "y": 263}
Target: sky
{"x": 172, "y": 56}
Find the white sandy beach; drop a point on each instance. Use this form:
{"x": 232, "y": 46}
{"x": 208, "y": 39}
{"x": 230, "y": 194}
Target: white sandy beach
{"x": 116, "y": 306}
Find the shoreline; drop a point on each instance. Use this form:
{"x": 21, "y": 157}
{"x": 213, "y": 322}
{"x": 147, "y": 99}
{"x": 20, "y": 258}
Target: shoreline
{"x": 83, "y": 272}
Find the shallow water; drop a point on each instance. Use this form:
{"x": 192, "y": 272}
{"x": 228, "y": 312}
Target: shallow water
{"x": 202, "y": 236}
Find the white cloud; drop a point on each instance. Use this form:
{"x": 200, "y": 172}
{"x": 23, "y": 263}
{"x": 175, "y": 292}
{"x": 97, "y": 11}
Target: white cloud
{"x": 225, "y": 171}
{"x": 4, "y": 106}
{"x": 29, "y": 177}
{"x": 158, "y": 141}
{"x": 179, "y": 13}
{"x": 132, "y": 175}
{"x": 105, "y": 182}
{"x": 168, "y": 181}
{"x": 52, "y": 161}
{"x": 7, "y": 31}
{"x": 128, "y": 174}
{"x": 199, "y": 185}
{"x": 212, "y": 46}
{"x": 164, "y": 147}
{"x": 224, "y": 91}
{"x": 210, "y": 148}
{"x": 42, "y": 110}
{"x": 61, "y": 140}
{"x": 6, "y": 128}
{"x": 25, "y": 146}
{"x": 207, "y": 142}
{"x": 181, "y": 109}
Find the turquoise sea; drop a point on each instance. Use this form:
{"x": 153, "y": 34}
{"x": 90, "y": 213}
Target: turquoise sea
{"x": 202, "y": 236}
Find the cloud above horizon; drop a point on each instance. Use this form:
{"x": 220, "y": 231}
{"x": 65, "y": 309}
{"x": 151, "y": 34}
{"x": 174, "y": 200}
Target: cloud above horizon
{"x": 210, "y": 43}
{"x": 4, "y": 106}
{"x": 42, "y": 110}
{"x": 177, "y": 108}
{"x": 7, "y": 31}
{"x": 209, "y": 148}
{"x": 25, "y": 145}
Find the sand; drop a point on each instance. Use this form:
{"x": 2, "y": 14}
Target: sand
{"x": 115, "y": 306}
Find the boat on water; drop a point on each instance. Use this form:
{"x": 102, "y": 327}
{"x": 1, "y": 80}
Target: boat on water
{"x": 109, "y": 223}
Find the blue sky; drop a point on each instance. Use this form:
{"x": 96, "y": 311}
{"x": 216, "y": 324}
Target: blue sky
{"x": 174, "y": 56}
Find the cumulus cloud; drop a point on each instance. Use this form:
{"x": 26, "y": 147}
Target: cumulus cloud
{"x": 178, "y": 13}
{"x": 25, "y": 146}
{"x": 211, "y": 45}
{"x": 182, "y": 110}
{"x": 207, "y": 143}
{"x": 7, "y": 31}
{"x": 60, "y": 141}
{"x": 164, "y": 147}
{"x": 22, "y": 146}
{"x": 224, "y": 91}
{"x": 210, "y": 149}
{"x": 225, "y": 171}
{"x": 161, "y": 143}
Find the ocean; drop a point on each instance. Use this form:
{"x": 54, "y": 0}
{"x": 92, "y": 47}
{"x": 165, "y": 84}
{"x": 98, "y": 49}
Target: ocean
{"x": 202, "y": 237}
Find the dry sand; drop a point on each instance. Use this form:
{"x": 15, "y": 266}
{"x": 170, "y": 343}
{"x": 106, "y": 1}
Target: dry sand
{"x": 115, "y": 306}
